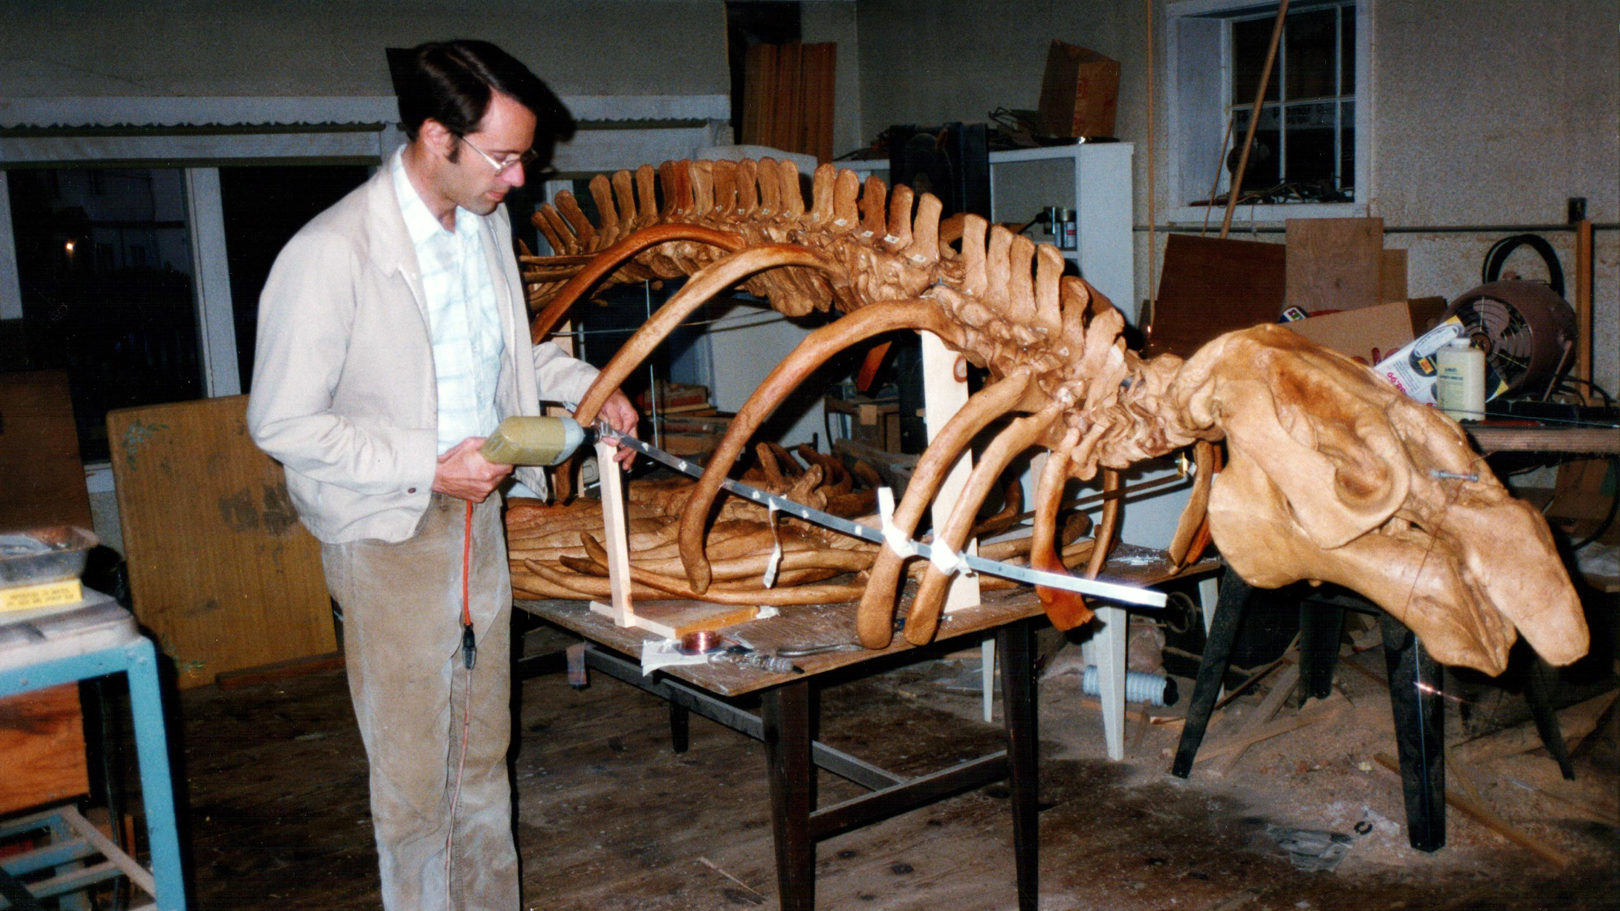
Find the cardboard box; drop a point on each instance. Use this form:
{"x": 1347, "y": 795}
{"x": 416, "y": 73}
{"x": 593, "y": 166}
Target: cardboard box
{"x": 1079, "y": 92}
{"x": 1412, "y": 368}
{"x": 1371, "y": 334}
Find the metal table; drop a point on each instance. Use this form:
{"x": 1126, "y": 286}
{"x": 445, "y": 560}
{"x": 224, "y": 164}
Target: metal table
{"x": 93, "y": 639}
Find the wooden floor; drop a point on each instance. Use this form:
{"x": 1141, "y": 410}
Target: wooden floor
{"x": 610, "y": 818}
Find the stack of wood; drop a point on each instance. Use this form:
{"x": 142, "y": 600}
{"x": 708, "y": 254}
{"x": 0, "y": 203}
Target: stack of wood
{"x": 788, "y": 97}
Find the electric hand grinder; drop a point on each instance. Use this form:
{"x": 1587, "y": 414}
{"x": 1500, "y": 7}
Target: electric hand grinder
{"x": 543, "y": 440}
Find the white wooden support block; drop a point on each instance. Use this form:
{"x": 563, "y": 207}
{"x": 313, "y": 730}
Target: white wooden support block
{"x": 1209, "y": 595}
{"x": 1106, "y": 649}
{"x": 987, "y": 671}
{"x": 615, "y": 537}
{"x": 945, "y": 391}
{"x": 1209, "y": 590}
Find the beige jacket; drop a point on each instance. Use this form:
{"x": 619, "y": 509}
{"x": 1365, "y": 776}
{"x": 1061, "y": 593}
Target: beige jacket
{"x": 343, "y": 390}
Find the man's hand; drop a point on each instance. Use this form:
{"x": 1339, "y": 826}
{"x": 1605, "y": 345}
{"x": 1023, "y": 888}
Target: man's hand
{"x": 465, "y": 474}
{"x": 622, "y": 417}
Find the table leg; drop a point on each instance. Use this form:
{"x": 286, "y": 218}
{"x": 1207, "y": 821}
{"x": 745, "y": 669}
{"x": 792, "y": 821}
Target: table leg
{"x": 157, "y": 790}
{"x": 786, "y": 720}
{"x": 1539, "y": 693}
{"x": 1419, "y": 708}
{"x": 1015, "y": 642}
{"x": 680, "y": 726}
{"x": 1223, "y": 627}
{"x": 1320, "y": 625}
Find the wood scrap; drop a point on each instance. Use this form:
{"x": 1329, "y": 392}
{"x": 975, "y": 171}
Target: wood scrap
{"x": 1289, "y": 655}
{"x": 1604, "y": 811}
{"x": 1285, "y": 684}
{"x": 1244, "y": 740}
{"x": 1143, "y": 722}
{"x": 1574, "y": 722}
{"x": 1483, "y": 815}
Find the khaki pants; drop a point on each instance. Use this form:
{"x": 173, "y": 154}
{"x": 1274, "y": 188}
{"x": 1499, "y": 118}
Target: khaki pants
{"x": 402, "y": 642}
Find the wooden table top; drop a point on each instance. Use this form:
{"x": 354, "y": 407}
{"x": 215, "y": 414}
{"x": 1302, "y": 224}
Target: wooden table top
{"x": 822, "y": 624}
{"x": 1507, "y": 437}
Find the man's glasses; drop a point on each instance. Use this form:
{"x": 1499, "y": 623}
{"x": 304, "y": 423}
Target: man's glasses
{"x": 501, "y": 167}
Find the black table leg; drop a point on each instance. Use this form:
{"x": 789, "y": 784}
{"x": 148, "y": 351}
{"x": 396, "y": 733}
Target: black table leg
{"x": 1538, "y": 692}
{"x": 786, "y": 720}
{"x": 680, "y": 726}
{"x": 1016, "y": 650}
{"x": 1234, "y": 595}
{"x": 1415, "y": 697}
{"x": 1320, "y": 625}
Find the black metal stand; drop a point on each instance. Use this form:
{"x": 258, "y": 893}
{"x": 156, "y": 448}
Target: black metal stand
{"x": 1538, "y": 692}
{"x": 1415, "y": 698}
{"x": 1234, "y": 595}
{"x": 1414, "y": 684}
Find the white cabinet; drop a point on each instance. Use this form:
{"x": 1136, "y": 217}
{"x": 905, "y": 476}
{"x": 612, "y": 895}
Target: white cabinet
{"x": 1094, "y": 181}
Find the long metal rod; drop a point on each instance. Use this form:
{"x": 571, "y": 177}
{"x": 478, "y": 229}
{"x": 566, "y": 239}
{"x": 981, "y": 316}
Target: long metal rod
{"x": 1111, "y": 591}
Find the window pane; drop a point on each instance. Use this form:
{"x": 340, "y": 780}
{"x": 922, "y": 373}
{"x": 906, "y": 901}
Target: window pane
{"x": 1250, "y": 40}
{"x": 1261, "y": 170}
{"x": 1347, "y": 51}
{"x": 104, "y": 261}
{"x": 1311, "y": 153}
{"x": 264, "y": 207}
{"x": 1309, "y": 45}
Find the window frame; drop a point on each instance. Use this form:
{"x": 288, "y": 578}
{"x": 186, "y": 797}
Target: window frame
{"x": 1198, "y": 82}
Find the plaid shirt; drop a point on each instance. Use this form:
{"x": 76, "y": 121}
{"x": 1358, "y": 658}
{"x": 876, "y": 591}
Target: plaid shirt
{"x": 463, "y": 323}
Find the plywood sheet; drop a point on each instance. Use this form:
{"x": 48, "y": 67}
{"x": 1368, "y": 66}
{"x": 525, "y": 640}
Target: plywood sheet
{"x": 1392, "y": 277}
{"x": 1335, "y": 263}
{"x": 39, "y": 453}
{"x": 220, "y": 569}
{"x": 1210, "y": 286}
{"x": 42, "y": 739}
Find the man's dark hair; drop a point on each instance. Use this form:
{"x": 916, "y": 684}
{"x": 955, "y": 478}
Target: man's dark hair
{"x": 452, "y": 82}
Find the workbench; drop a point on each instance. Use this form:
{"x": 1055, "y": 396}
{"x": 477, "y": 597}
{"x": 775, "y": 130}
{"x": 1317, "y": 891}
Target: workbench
{"x": 93, "y": 638}
{"x": 784, "y": 724}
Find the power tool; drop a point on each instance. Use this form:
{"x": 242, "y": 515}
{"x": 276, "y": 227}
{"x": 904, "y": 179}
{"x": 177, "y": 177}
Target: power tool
{"x": 543, "y": 440}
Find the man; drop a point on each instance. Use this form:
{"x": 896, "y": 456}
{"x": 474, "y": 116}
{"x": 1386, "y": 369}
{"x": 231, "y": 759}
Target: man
{"x": 392, "y": 339}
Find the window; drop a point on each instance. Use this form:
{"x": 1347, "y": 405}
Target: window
{"x": 108, "y": 277}
{"x": 263, "y": 207}
{"x": 105, "y": 270}
{"x": 1308, "y": 157}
